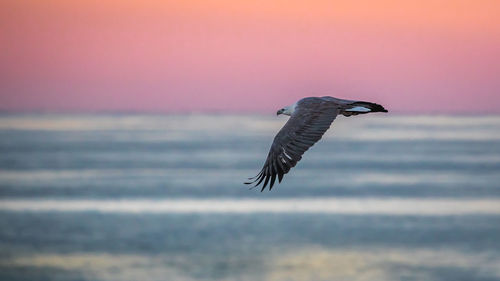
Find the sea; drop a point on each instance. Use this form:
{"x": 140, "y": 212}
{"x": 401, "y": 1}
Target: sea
{"x": 161, "y": 197}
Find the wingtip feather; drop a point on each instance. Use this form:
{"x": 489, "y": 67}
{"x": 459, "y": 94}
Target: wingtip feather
{"x": 280, "y": 177}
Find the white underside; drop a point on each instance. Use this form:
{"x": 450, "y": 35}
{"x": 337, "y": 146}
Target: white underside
{"x": 359, "y": 109}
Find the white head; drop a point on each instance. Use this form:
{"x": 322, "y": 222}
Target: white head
{"x": 287, "y": 110}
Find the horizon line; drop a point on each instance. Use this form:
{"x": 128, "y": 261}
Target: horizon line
{"x": 218, "y": 112}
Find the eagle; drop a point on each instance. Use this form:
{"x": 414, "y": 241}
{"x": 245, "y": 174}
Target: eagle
{"x": 309, "y": 119}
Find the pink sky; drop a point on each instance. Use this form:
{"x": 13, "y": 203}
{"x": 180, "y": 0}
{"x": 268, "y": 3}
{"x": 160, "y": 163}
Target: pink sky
{"x": 251, "y": 56}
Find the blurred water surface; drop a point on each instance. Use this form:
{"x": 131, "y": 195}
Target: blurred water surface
{"x": 155, "y": 197}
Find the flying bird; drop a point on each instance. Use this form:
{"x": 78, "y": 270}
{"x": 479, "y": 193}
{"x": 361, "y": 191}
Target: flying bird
{"x": 309, "y": 119}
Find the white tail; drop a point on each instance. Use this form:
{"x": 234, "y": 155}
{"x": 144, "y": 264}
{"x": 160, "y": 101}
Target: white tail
{"x": 359, "y": 109}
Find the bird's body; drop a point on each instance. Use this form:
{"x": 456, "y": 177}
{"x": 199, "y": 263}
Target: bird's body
{"x": 309, "y": 119}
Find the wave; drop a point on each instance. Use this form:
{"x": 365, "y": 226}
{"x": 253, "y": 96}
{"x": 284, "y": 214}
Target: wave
{"x": 366, "y": 206}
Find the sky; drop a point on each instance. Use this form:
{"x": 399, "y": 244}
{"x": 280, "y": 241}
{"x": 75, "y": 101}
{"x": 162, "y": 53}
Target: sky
{"x": 248, "y": 56}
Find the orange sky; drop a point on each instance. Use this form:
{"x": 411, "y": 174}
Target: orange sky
{"x": 171, "y": 56}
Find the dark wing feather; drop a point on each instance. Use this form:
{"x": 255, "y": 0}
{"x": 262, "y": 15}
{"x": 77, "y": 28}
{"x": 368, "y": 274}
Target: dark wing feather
{"x": 306, "y": 126}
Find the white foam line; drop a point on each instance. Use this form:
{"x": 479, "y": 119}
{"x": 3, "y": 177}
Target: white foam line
{"x": 383, "y": 206}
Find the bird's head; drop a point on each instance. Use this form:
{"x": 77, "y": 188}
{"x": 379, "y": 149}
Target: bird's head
{"x": 287, "y": 110}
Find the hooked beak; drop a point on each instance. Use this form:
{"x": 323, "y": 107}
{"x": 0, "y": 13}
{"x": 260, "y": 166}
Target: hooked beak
{"x": 279, "y": 112}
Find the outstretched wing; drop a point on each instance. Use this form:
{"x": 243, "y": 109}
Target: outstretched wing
{"x": 310, "y": 120}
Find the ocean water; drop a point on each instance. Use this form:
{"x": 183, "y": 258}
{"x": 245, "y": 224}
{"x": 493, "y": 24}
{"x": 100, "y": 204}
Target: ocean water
{"x": 161, "y": 197}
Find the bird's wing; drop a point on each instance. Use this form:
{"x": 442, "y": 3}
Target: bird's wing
{"x": 310, "y": 120}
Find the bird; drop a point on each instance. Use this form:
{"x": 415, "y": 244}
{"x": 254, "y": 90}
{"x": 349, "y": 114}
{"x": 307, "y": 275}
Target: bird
{"x": 310, "y": 118}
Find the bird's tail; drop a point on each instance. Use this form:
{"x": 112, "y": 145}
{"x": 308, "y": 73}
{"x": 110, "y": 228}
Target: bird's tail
{"x": 361, "y": 107}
